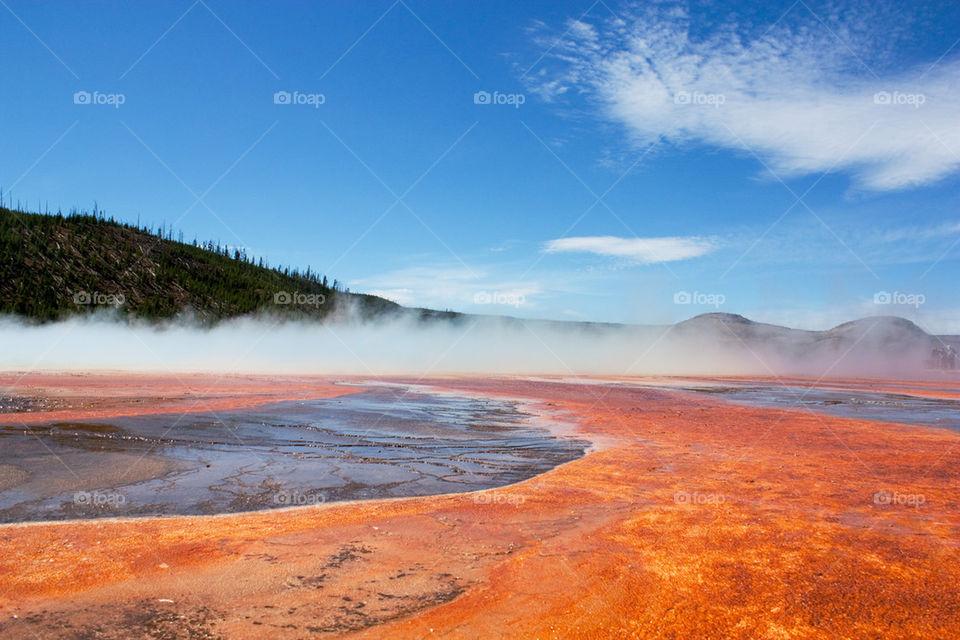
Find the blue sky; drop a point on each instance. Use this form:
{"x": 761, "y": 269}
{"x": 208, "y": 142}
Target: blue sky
{"x": 639, "y": 162}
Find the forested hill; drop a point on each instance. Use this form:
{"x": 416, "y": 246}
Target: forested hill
{"x": 56, "y": 266}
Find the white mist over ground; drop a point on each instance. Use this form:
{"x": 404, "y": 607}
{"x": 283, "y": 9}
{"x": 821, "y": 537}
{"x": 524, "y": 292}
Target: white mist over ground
{"x": 881, "y": 347}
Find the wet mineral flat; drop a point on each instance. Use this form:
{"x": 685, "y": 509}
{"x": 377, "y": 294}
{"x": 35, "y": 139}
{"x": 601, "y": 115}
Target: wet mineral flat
{"x": 379, "y": 443}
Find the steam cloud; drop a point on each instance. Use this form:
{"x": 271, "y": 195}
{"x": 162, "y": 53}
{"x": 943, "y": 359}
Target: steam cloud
{"x": 718, "y": 345}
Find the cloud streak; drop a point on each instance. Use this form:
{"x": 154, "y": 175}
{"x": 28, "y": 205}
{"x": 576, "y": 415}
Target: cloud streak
{"x": 639, "y": 250}
{"x": 445, "y": 286}
{"x": 801, "y": 97}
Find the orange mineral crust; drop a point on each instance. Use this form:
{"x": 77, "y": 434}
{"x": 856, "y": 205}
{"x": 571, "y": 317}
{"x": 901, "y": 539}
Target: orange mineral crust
{"x": 694, "y": 518}
{"x": 71, "y": 396}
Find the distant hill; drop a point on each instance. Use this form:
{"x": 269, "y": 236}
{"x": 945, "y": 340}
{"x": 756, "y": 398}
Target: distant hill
{"x": 56, "y": 266}
{"x": 887, "y": 333}
{"x": 874, "y": 343}
{"x": 890, "y": 330}
{"x": 734, "y": 327}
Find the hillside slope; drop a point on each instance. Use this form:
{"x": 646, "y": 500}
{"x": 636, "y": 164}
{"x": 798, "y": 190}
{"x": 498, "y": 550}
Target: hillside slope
{"x": 56, "y": 266}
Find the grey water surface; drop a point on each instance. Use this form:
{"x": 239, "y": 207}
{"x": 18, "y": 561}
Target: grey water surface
{"x": 378, "y": 443}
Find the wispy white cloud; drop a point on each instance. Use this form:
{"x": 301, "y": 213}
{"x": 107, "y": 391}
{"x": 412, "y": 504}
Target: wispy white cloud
{"x": 801, "y": 96}
{"x": 447, "y": 286}
{"x": 640, "y": 250}
{"x": 796, "y": 241}
{"x": 920, "y": 233}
